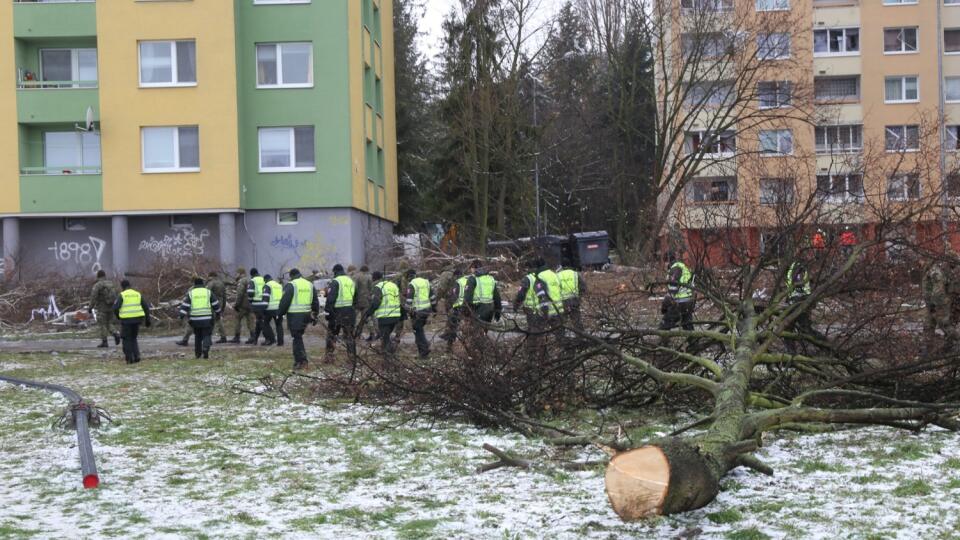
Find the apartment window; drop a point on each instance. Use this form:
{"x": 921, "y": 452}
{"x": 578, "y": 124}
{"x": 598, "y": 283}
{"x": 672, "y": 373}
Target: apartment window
{"x": 953, "y": 185}
{"x": 712, "y": 189}
{"x": 287, "y": 149}
{"x": 951, "y": 2}
{"x": 707, "y": 5}
{"x": 837, "y": 88}
{"x": 171, "y": 149}
{"x": 717, "y": 144}
{"x": 75, "y": 66}
{"x": 710, "y": 94}
{"x": 898, "y": 2}
{"x": 952, "y": 140}
{"x": 902, "y": 138}
{"x": 74, "y": 224}
{"x": 775, "y": 191}
{"x": 840, "y": 187}
{"x": 838, "y": 139}
{"x": 773, "y": 5}
{"x": 168, "y": 63}
{"x": 836, "y": 41}
{"x": 951, "y": 89}
{"x": 706, "y": 44}
{"x": 773, "y": 46}
{"x": 774, "y": 94}
{"x": 951, "y": 39}
{"x": 903, "y": 187}
{"x": 776, "y": 141}
{"x": 288, "y": 217}
{"x": 901, "y": 89}
{"x": 284, "y": 65}
{"x": 71, "y": 152}
{"x": 900, "y": 40}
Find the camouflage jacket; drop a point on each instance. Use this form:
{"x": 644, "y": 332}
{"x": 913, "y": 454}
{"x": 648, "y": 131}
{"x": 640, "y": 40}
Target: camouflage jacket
{"x": 243, "y": 301}
{"x": 103, "y": 295}
{"x": 935, "y": 286}
{"x": 364, "y": 290}
{"x": 444, "y": 284}
{"x": 217, "y": 287}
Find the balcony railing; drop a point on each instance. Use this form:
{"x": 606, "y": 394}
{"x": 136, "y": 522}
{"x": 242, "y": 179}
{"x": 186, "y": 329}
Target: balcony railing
{"x": 54, "y": 85}
{"x": 59, "y": 171}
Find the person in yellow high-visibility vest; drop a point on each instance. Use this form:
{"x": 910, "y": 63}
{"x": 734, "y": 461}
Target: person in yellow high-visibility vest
{"x": 679, "y": 303}
{"x": 301, "y": 307}
{"x": 132, "y": 310}
{"x": 386, "y": 308}
{"x": 259, "y": 295}
{"x": 483, "y": 295}
{"x": 273, "y": 306}
{"x": 458, "y": 307}
{"x": 420, "y": 303}
{"x": 341, "y": 294}
{"x": 572, "y": 288}
{"x": 200, "y": 307}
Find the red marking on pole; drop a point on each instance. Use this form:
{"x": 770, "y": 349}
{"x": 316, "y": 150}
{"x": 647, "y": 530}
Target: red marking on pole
{"x": 91, "y": 481}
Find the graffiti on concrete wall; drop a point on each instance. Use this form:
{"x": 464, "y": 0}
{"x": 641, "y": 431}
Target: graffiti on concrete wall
{"x": 85, "y": 254}
{"x": 177, "y": 244}
{"x": 50, "y": 311}
{"x": 288, "y": 243}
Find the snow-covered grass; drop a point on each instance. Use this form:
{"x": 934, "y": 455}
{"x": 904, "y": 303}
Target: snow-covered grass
{"x": 190, "y": 458}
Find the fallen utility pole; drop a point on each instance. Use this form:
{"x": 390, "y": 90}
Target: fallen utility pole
{"x": 81, "y": 412}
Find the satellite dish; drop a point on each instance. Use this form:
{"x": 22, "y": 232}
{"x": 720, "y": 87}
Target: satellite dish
{"x": 88, "y": 123}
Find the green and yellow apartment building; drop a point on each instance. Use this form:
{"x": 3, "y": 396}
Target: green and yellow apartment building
{"x": 244, "y": 132}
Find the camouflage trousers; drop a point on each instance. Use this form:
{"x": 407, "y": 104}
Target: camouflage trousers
{"x": 243, "y": 315}
{"x": 106, "y": 323}
{"x": 938, "y": 316}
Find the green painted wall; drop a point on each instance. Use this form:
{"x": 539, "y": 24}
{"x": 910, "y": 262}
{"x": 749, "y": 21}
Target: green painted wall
{"x": 28, "y": 51}
{"x": 53, "y": 106}
{"x": 49, "y": 194}
{"x": 373, "y": 96}
{"x": 33, "y": 20}
{"x": 325, "y": 106}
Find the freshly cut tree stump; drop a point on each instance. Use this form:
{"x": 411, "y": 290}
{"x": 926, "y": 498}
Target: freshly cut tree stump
{"x": 667, "y": 477}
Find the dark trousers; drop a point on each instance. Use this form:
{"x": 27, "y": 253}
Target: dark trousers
{"x": 571, "y": 312}
{"x": 387, "y": 326}
{"x": 677, "y": 312}
{"x": 131, "y": 349}
{"x": 419, "y": 323}
{"x": 453, "y": 323}
{"x": 345, "y": 320}
{"x": 202, "y": 341}
{"x": 275, "y": 319}
{"x": 299, "y": 351}
{"x": 483, "y": 312}
{"x": 263, "y": 327}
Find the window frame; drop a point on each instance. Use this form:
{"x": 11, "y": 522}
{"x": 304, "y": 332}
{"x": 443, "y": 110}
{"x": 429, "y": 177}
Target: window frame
{"x": 790, "y": 192}
{"x": 173, "y": 64}
{"x": 727, "y": 134}
{"x": 296, "y": 221}
{"x": 778, "y": 86}
{"x": 278, "y": 46}
{"x": 956, "y": 98}
{"x": 175, "y": 225}
{"x": 731, "y": 191}
{"x": 844, "y": 196}
{"x": 827, "y": 149}
{"x": 903, "y": 89}
{"x": 847, "y": 99}
{"x": 903, "y": 136}
{"x": 899, "y": 2}
{"x": 845, "y": 52}
{"x": 910, "y": 183}
{"x": 779, "y": 139}
{"x": 944, "y": 37}
{"x": 75, "y": 79}
{"x": 952, "y": 133}
{"x": 176, "y": 152}
{"x": 74, "y": 224}
{"x": 708, "y": 5}
{"x": 763, "y": 40}
{"x": 903, "y": 41}
{"x": 758, "y": 9}
{"x": 293, "y": 151}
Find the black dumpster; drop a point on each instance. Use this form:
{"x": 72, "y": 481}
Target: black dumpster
{"x": 590, "y": 249}
{"x": 551, "y": 248}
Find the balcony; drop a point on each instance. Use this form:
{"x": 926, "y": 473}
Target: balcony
{"x": 61, "y": 193}
{"x": 54, "y": 19}
{"x": 43, "y": 105}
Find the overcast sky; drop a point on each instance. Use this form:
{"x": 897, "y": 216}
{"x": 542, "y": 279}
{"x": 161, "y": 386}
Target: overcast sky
{"x": 435, "y": 11}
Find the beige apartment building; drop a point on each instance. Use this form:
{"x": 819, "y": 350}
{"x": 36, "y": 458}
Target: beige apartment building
{"x": 857, "y": 102}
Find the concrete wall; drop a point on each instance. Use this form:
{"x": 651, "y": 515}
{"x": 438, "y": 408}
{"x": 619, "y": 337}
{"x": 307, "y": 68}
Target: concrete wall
{"x": 322, "y": 238}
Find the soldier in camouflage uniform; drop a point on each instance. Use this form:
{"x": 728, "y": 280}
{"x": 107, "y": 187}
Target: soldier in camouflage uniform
{"x": 364, "y": 290}
{"x": 936, "y": 295}
{"x": 219, "y": 289}
{"x": 443, "y": 285}
{"x": 242, "y": 306}
{"x": 102, "y": 297}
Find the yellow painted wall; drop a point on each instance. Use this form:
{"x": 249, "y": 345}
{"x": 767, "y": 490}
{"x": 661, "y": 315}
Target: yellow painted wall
{"x": 389, "y": 111}
{"x": 358, "y": 173}
{"x": 212, "y": 104}
{"x": 9, "y": 155}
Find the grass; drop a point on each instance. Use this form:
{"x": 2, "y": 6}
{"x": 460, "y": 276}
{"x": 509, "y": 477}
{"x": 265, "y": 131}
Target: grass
{"x": 730, "y": 515}
{"x": 819, "y": 465}
{"x": 913, "y": 488}
{"x": 748, "y": 534}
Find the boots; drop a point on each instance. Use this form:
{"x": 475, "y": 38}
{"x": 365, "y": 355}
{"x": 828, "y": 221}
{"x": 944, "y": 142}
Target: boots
{"x": 116, "y": 338}
{"x": 103, "y": 344}
{"x": 223, "y": 339}
{"x": 236, "y": 339}
{"x": 183, "y": 343}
